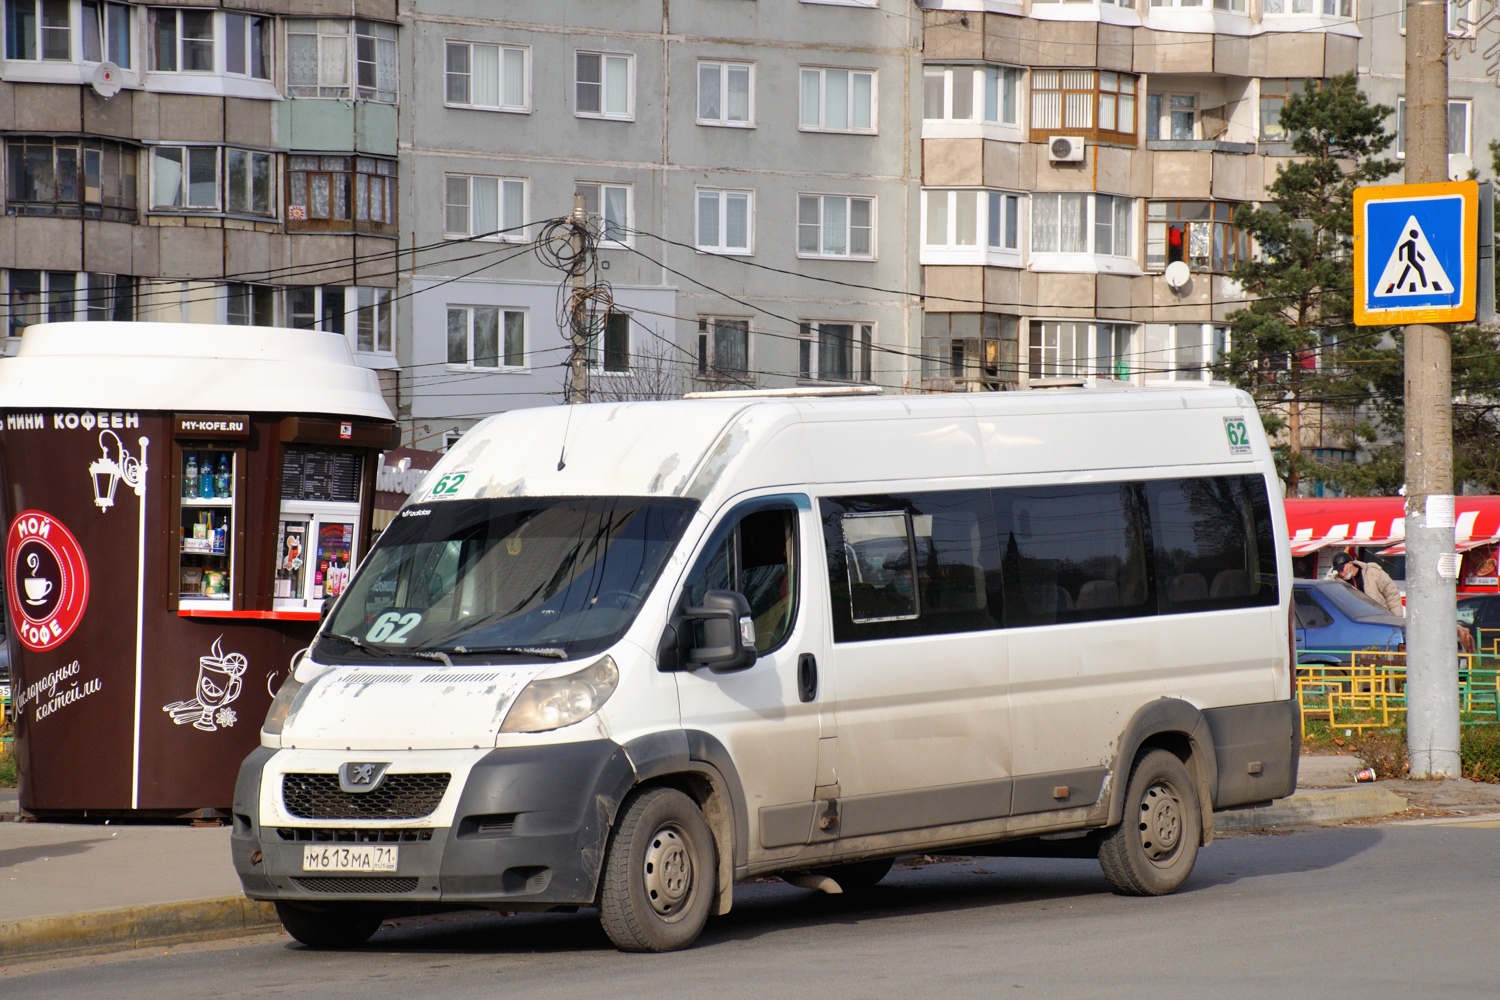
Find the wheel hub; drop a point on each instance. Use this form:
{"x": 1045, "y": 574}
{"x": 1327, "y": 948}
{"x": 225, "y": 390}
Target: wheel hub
{"x": 1161, "y": 823}
{"x": 669, "y": 871}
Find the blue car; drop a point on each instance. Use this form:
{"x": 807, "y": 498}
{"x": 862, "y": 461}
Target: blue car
{"x": 1334, "y": 620}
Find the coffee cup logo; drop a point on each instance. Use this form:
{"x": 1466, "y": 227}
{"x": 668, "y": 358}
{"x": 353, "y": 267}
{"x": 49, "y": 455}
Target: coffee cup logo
{"x": 47, "y": 580}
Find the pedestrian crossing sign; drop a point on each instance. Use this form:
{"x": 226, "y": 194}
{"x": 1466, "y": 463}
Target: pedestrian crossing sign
{"x": 1416, "y": 250}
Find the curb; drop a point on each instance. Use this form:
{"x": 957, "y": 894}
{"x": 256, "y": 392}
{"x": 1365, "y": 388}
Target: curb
{"x": 1310, "y": 808}
{"x": 133, "y": 927}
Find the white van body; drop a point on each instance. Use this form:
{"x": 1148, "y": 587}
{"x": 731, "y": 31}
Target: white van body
{"x": 920, "y": 688}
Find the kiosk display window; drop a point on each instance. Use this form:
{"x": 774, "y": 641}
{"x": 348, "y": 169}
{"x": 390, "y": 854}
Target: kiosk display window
{"x": 316, "y": 548}
{"x": 206, "y": 556}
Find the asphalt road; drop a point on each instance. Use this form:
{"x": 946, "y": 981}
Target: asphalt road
{"x": 1353, "y": 912}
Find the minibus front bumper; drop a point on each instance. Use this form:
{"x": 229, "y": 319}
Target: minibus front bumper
{"x": 529, "y": 831}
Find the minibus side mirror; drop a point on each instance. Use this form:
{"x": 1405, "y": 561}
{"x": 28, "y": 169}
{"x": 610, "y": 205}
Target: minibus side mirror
{"x": 728, "y": 632}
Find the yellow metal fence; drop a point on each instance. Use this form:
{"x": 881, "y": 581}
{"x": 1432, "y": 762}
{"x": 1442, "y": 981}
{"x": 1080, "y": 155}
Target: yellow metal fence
{"x": 1370, "y": 692}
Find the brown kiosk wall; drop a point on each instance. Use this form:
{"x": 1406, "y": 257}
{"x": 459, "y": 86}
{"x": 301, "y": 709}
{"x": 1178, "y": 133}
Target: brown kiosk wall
{"x": 144, "y": 653}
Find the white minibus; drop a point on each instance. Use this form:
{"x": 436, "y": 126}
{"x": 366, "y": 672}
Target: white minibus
{"x": 627, "y": 655}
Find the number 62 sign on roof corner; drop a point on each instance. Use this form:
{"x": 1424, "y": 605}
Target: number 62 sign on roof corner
{"x": 1416, "y": 251}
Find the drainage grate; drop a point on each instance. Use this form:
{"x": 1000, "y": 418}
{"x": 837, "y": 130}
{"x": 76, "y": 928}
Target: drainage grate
{"x": 400, "y": 796}
{"x": 384, "y": 886}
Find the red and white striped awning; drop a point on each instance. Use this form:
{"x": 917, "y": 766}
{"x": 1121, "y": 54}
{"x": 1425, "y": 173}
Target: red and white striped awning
{"x": 1380, "y": 522}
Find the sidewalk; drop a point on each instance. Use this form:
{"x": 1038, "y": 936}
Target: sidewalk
{"x": 71, "y": 889}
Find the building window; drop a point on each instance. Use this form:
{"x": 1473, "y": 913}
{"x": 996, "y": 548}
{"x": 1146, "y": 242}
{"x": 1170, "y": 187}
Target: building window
{"x": 373, "y": 322}
{"x": 319, "y": 62}
{"x": 1128, "y": 4}
{"x": 486, "y": 337}
{"x": 1462, "y": 19}
{"x": 836, "y": 352}
{"x": 1172, "y": 116}
{"x": 1459, "y": 134}
{"x": 838, "y": 100}
{"x": 1063, "y": 349}
{"x": 1273, "y": 94}
{"x": 604, "y": 85}
{"x": 1236, "y": 6}
{"x": 725, "y": 221}
{"x": 246, "y": 46}
{"x": 965, "y": 221}
{"x": 487, "y": 77}
{"x": 1080, "y": 223}
{"x": 1094, "y": 103}
{"x": 207, "y": 41}
{"x": 1182, "y": 352}
{"x": 610, "y": 208}
{"x": 969, "y": 351}
{"x": 726, "y": 93}
{"x": 316, "y": 308}
{"x": 1200, "y": 233}
{"x": 986, "y": 94}
{"x": 723, "y": 347}
{"x": 188, "y": 178}
{"x": 608, "y": 348}
{"x": 341, "y": 194}
{"x": 76, "y": 178}
{"x": 64, "y": 296}
{"x": 107, "y": 32}
{"x": 835, "y": 225}
{"x": 1326, "y": 8}
{"x": 249, "y": 305}
{"x": 491, "y": 208}
{"x": 38, "y": 29}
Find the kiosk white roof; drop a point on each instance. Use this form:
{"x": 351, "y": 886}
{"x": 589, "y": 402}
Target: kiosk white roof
{"x": 188, "y": 366}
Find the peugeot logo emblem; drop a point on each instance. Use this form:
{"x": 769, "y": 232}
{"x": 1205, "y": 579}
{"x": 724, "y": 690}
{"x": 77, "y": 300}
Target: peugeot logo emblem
{"x": 361, "y": 776}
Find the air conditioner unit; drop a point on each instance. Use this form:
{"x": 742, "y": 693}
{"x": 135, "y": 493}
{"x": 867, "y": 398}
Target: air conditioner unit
{"x": 1065, "y": 149}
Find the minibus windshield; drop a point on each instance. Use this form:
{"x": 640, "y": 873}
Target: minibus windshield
{"x": 549, "y": 577}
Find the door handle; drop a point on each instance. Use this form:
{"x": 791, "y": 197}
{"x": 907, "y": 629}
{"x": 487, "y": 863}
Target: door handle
{"x": 807, "y": 677}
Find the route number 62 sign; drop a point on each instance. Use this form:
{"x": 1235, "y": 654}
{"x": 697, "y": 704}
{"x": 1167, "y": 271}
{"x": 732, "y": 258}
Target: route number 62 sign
{"x": 1238, "y": 434}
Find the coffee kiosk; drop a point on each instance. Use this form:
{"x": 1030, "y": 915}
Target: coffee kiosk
{"x": 180, "y": 502}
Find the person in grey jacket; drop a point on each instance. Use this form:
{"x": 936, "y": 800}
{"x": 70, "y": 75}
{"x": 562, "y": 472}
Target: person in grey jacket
{"x": 1368, "y": 578}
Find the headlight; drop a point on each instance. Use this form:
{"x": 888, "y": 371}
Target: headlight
{"x": 280, "y": 706}
{"x": 554, "y": 702}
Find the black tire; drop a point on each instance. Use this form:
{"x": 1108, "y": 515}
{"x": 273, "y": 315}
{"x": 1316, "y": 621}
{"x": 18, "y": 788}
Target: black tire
{"x": 1152, "y": 851}
{"x": 659, "y": 875}
{"x": 858, "y": 876}
{"x": 330, "y": 925}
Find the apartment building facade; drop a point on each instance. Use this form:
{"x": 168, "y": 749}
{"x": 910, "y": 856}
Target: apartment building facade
{"x": 227, "y": 163}
{"x": 749, "y": 167}
{"x": 1072, "y": 151}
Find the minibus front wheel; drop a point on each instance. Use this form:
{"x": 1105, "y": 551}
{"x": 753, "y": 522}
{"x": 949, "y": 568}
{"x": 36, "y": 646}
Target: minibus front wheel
{"x": 329, "y": 925}
{"x": 1151, "y": 852}
{"x": 659, "y": 874}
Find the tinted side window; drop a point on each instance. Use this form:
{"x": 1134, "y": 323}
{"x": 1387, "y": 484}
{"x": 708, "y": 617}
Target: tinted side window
{"x": 1310, "y": 613}
{"x": 1073, "y": 553}
{"x": 915, "y": 564}
{"x": 1213, "y": 545}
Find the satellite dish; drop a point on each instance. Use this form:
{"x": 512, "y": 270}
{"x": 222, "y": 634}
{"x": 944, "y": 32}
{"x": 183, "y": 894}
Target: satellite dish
{"x": 1177, "y": 274}
{"x": 1459, "y": 166}
{"x": 106, "y": 81}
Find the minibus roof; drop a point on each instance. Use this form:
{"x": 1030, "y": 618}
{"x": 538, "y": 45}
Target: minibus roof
{"x": 707, "y": 446}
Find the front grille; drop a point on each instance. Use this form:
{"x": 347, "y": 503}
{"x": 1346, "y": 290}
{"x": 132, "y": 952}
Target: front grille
{"x": 381, "y": 886}
{"x": 324, "y": 835}
{"x": 400, "y": 796}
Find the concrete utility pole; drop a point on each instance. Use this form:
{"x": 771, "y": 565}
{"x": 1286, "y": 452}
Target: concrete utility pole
{"x": 578, "y": 362}
{"x": 1431, "y": 613}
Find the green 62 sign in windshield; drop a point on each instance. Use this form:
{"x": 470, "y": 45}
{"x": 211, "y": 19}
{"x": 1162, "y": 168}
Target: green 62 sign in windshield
{"x": 1238, "y": 434}
{"x": 447, "y": 486}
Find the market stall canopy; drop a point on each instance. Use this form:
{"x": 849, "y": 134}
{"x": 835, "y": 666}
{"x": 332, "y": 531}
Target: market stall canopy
{"x": 189, "y": 366}
{"x": 1380, "y": 522}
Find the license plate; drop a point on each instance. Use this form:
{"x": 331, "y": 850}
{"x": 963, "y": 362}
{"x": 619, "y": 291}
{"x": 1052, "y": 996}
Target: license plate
{"x": 352, "y": 858}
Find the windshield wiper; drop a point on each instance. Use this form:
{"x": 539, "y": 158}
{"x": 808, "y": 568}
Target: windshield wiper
{"x": 362, "y": 646}
{"x": 550, "y": 652}
{"x": 431, "y": 654}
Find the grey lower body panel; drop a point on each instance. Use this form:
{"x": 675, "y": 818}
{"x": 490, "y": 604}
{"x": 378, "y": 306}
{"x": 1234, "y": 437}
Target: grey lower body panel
{"x": 1258, "y": 747}
{"x": 530, "y": 830}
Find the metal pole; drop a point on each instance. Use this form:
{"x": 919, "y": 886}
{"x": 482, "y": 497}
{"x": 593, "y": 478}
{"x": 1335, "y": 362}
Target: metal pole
{"x": 1431, "y": 656}
{"x": 578, "y": 372}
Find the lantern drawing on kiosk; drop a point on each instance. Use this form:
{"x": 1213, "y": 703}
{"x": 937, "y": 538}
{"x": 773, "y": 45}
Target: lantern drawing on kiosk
{"x": 106, "y": 472}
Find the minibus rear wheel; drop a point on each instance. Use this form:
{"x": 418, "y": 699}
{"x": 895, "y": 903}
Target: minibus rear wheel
{"x": 659, "y": 874}
{"x": 330, "y": 925}
{"x": 1151, "y": 852}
